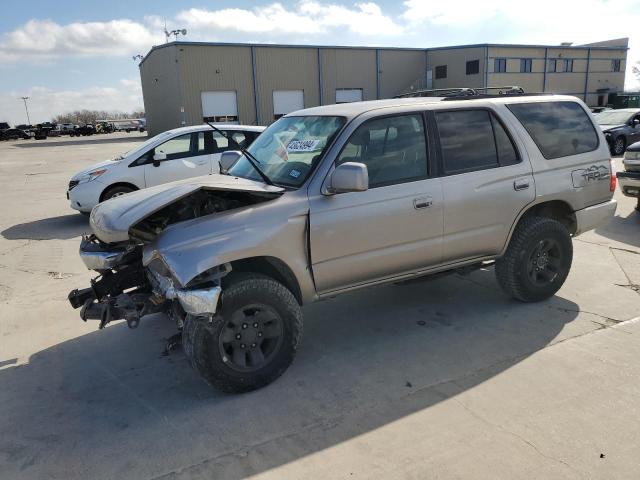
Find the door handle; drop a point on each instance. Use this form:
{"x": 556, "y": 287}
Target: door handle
{"x": 422, "y": 202}
{"x": 521, "y": 184}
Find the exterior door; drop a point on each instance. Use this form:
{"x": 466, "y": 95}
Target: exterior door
{"x": 392, "y": 228}
{"x": 185, "y": 159}
{"x": 485, "y": 182}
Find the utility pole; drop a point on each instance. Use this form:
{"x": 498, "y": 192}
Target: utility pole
{"x": 26, "y": 109}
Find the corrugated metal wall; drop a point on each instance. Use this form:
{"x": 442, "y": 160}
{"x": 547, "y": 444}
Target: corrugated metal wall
{"x": 205, "y": 69}
{"x": 160, "y": 91}
{"x": 348, "y": 68}
{"x": 399, "y": 69}
{"x": 285, "y": 69}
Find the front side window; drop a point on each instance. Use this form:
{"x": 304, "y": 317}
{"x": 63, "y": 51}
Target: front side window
{"x": 559, "y": 129}
{"x": 441, "y": 72}
{"x": 473, "y": 67}
{"x": 289, "y": 149}
{"x": 525, "y": 65}
{"x": 394, "y": 149}
{"x": 178, "y": 147}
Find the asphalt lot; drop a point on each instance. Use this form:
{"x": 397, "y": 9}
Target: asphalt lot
{"x": 442, "y": 378}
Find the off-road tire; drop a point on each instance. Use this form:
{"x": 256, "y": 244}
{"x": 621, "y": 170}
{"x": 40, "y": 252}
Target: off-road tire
{"x": 201, "y": 337}
{"x": 512, "y": 268}
{"x": 115, "y": 192}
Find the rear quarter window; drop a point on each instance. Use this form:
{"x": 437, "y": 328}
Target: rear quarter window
{"x": 559, "y": 129}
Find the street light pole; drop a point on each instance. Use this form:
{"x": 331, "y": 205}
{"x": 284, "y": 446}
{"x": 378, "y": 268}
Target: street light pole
{"x": 26, "y": 109}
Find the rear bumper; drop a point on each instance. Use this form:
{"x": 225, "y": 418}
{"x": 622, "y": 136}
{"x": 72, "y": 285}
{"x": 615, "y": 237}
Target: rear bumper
{"x": 594, "y": 216}
{"x": 629, "y": 183}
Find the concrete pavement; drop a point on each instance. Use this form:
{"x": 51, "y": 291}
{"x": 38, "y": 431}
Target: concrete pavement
{"x": 440, "y": 378}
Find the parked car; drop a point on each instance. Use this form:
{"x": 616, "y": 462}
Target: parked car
{"x": 84, "y": 130}
{"x": 173, "y": 155}
{"x": 66, "y": 128}
{"x": 630, "y": 179}
{"x": 15, "y": 134}
{"x": 621, "y": 128}
{"x": 340, "y": 197}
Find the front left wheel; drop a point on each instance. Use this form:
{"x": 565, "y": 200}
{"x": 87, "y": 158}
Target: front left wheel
{"x": 252, "y": 339}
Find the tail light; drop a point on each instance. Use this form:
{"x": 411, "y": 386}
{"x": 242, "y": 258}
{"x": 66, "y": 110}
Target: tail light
{"x": 613, "y": 180}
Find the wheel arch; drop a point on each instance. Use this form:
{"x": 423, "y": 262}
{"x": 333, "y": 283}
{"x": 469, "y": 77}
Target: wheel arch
{"x": 117, "y": 184}
{"x": 272, "y": 267}
{"x": 559, "y": 210}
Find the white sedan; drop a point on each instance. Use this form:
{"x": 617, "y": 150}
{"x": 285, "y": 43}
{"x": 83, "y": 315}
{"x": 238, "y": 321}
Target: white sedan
{"x": 172, "y": 155}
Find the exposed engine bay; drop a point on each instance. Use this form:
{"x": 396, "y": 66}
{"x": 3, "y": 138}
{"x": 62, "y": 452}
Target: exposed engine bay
{"x": 200, "y": 203}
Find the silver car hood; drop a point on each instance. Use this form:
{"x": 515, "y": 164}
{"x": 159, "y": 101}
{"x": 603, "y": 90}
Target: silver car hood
{"x": 111, "y": 220}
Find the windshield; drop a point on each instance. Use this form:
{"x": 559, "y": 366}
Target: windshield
{"x": 143, "y": 145}
{"x": 612, "y": 118}
{"x": 289, "y": 149}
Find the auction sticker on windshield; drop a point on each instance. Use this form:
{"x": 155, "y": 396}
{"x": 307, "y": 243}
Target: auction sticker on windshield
{"x": 302, "y": 145}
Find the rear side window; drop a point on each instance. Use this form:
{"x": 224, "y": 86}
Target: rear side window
{"x": 558, "y": 128}
{"x": 473, "y": 140}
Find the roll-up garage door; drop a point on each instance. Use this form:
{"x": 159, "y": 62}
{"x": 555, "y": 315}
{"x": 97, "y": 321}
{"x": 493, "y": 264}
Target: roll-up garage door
{"x": 348, "y": 95}
{"x": 220, "y": 107}
{"x": 287, "y": 101}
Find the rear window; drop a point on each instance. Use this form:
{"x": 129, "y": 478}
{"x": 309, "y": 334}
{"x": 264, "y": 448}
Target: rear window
{"x": 558, "y": 128}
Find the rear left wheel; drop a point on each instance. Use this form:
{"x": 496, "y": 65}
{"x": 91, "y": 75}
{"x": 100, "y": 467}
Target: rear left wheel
{"x": 537, "y": 261}
{"x": 251, "y": 341}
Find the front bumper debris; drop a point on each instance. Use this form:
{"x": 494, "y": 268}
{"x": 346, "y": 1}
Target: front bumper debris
{"x": 125, "y": 289}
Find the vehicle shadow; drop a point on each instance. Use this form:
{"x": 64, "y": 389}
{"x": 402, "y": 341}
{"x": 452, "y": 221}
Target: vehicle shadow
{"x": 80, "y": 141}
{"x": 108, "y": 404}
{"x": 62, "y": 227}
{"x": 622, "y": 229}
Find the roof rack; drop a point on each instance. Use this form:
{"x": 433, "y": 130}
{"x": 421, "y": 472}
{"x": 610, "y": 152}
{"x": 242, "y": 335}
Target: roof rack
{"x": 457, "y": 93}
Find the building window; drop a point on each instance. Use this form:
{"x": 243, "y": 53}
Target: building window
{"x": 473, "y": 67}
{"x": 500, "y": 65}
{"x": 441, "y": 72}
{"x": 568, "y": 64}
{"x": 615, "y": 65}
{"x": 525, "y": 65}
{"x": 552, "y": 66}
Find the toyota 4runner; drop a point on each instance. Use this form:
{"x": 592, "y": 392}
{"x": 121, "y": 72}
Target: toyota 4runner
{"x": 339, "y": 197}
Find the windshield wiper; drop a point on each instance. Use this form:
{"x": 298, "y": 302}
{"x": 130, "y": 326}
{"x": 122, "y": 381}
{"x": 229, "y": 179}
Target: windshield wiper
{"x": 252, "y": 160}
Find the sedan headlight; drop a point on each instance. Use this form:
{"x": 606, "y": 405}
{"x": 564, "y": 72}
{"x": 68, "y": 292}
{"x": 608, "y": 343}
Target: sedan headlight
{"x": 88, "y": 177}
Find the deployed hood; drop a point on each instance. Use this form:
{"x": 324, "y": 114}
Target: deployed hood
{"x": 96, "y": 166}
{"x": 150, "y": 210}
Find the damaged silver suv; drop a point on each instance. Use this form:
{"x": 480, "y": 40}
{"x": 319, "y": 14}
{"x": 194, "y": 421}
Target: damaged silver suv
{"x": 339, "y": 197}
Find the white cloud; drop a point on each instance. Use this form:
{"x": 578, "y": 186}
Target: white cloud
{"x": 307, "y": 17}
{"x": 543, "y": 22}
{"x": 44, "y": 38}
{"x": 45, "y": 103}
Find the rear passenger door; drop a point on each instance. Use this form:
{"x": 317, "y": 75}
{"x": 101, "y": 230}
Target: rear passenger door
{"x": 486, "y": 182}
{"x": 392, "y": 228}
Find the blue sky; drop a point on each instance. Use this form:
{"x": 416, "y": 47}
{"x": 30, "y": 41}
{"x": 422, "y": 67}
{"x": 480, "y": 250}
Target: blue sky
{"x": 77, "y": 54}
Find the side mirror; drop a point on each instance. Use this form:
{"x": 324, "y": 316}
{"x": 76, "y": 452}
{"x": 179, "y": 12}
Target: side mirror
{"x": 228, "y": 159}
{"x": 159, "y": 157}
{"x": 636, "y": 122}
{"x": 349, "y": 177}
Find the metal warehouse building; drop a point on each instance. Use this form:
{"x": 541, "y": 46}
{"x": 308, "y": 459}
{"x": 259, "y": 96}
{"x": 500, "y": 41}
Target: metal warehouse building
{"x": 184, "y": 83}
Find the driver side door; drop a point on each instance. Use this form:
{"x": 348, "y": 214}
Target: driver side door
{"x": 394, "y": 227}
{"x": 187, "y": 157}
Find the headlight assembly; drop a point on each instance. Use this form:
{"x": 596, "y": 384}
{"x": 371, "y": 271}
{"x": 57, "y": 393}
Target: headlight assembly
{"x": 88, "y": 177}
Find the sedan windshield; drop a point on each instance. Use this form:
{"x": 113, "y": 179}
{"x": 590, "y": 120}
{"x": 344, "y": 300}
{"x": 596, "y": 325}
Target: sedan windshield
{"x": 289, "y": 149}
{"x": 612, "y": 118}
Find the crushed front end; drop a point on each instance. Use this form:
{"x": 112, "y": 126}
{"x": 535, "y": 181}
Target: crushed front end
{"x": 126, "y": 290}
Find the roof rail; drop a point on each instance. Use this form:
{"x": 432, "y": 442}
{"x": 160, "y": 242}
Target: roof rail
{"x": 465, "y": 92}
